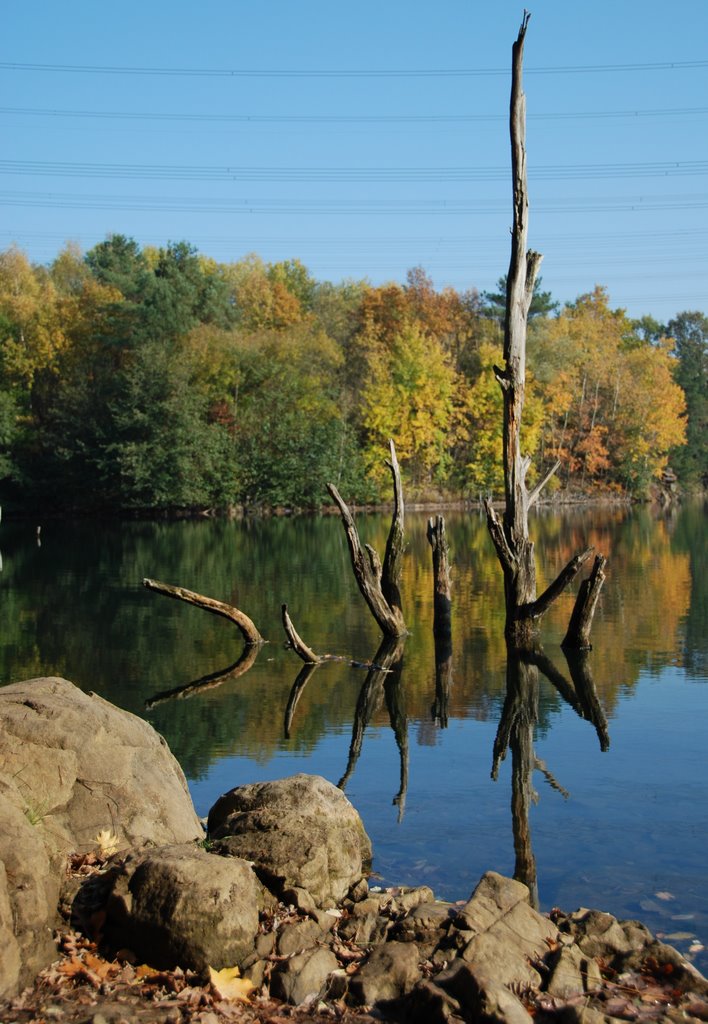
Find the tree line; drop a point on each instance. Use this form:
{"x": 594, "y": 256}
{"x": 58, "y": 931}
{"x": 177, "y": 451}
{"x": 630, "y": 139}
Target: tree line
{"x": 158, "y": 379}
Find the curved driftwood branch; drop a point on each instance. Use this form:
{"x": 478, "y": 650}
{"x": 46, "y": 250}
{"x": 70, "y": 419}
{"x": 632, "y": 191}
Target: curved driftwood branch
{"x": 379, "y": 584}
{"x": 442, "y": 605}
{"x": 248, "y": 630}
{"x": 581, "y": 619}
{"x": 297, "y": 644}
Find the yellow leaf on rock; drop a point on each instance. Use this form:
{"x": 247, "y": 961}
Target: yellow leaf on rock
{"x": 107, "y": 842}
{"x": 228, "y": 984}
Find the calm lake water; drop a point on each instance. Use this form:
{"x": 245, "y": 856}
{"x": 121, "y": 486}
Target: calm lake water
{"x": 624, "y": 828}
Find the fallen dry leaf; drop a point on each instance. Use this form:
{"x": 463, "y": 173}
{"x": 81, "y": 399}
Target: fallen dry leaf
{"x": 228, "y": 984}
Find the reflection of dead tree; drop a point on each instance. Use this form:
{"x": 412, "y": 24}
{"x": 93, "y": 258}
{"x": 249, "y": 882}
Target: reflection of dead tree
{"x": 396, "y": 704}
{"x": 239, "y": 668}
{"x": 581, "y": 695}
{"x": 441, "y": 576}
{"x": 388, "y": 660}
{"x": 515, "y": 732}
{"x": 298, "y": 686}
{"x": 510, "y": 535}
{"x": 516, "y": 729}
{"x": 443, "y": 679}
{"x": 249, "y": 632}
{"x": 379, "y": 585}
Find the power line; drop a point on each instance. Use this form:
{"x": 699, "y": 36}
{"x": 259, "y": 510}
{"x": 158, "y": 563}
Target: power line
{"x": 346, "y": 118}
{"x": 346, "y": 207}
{"x": 94, "y": 69}
{"x": 175, "y": 172}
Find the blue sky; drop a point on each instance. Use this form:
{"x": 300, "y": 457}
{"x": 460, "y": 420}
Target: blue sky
{"x": 402, "y": 162}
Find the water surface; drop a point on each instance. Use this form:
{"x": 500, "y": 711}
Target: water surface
{"x": 623, "y": 828}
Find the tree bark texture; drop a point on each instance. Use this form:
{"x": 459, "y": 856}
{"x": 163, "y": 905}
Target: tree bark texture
{"x": 442, "y": 604}
{"x": 248, "y": 630}
{"x": 379, "y": 585}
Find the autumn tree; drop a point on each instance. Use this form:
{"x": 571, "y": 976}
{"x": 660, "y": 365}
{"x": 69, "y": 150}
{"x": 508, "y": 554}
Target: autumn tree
{"x": 613, "y": 409}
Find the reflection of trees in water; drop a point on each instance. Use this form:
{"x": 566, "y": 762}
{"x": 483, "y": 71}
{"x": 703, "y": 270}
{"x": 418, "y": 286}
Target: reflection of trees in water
{"x": 516, "y": 733}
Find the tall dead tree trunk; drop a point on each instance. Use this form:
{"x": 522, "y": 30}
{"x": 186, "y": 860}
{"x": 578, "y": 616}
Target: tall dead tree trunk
{"x": 511, "y": 534}
{"x": 379, "y": 584}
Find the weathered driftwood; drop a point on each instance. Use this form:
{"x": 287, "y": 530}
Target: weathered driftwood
{"x": 379, "y": 584}
{"x": 442, "y": 604}
{"x": 239, "y": 668}
{"x": 249, "y": 632}
{"x": 510, "y": 535}
{"x": 297, "y": 644}
{"x": 581, "y": 619}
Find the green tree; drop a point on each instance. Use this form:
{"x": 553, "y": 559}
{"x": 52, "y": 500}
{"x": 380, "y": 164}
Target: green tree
{"x": 689, "y": 331}
{"x": 494, "y": 303}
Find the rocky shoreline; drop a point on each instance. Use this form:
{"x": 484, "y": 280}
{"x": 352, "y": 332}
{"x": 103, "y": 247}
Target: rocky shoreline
{"x": 269, "y": 917}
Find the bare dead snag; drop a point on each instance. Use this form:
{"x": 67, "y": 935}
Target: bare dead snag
{"x": 298, "y": 645}
{"x": 248, "y": 630}
{"x": 379, "y": 585}
{"x": 510, "y": 534}
{"x": 442, "y": 605}
{"x": 581, "y": 619}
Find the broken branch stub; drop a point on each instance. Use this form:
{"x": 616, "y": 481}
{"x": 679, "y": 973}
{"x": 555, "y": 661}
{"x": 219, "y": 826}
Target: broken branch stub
{"x": 248, "y": 630}
{"x": 296, "y": 642}
{"x": 581, "y": 619}
{"x": 379, "y": 585}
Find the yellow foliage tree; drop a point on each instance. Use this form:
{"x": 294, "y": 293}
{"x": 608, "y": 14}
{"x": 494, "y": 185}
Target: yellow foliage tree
{"x": 412, "y": 394}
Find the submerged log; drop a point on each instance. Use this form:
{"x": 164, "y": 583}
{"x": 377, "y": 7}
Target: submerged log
{"x": 248, "y": 630}
{"x": 581, "y": 619}
{"x": 379, "y": 584}
{"x": 442, "y": 604}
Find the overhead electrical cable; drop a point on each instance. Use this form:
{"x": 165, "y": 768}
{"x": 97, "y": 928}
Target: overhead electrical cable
{"x": 570, "y": 69}
{"x": 346, "y": 118}
{"x": 175, "y": 172}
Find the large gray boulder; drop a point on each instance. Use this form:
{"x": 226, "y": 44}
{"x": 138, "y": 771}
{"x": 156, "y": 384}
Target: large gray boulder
{"x": 300, "y": 832}
{"x": 72, "y": 765}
